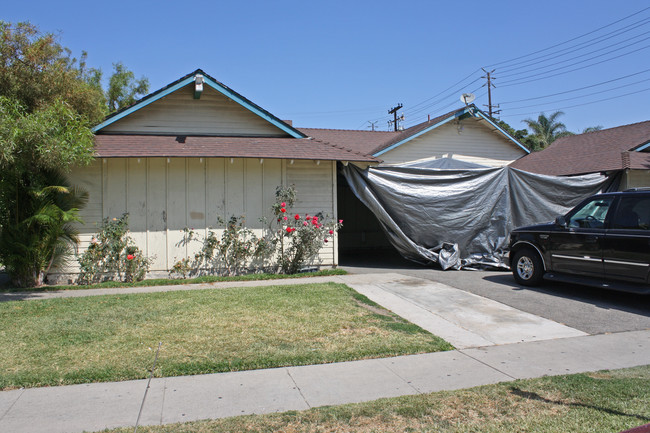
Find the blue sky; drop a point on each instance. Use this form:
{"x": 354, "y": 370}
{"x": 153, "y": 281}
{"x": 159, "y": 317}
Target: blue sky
{"x": 341, "y": 64}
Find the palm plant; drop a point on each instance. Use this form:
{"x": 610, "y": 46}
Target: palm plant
{"x": 38, "y": 234}
{"x": 545, "y": 130}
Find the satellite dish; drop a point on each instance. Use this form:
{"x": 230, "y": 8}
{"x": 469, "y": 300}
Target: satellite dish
{"x": 467, "y": 98}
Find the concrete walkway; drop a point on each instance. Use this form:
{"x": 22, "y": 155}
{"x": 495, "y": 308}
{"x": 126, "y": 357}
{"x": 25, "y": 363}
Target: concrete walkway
{"x": 495, "y": 343}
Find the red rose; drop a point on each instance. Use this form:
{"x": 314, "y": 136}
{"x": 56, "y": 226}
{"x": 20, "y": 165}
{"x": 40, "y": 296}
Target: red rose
{"x": 289, "y": 229}
{"x": 283, "y": 210}
{"x": 297, "y": 217}
{"x": 325, "y": 240}
{"x": 129, "y": 257}
{"x": 307, "y": 217}
{"x": 331, "y": 232}
{"x": 283, "y": 204}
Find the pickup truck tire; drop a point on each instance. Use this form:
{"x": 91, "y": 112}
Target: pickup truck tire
{"x": 527, "y": 267}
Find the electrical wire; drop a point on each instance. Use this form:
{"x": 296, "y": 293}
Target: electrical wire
{"x": 578, "y": 89}
{"x": 583, "y": 104}
{"x": 582, "y": 55}
{"x": 518, "y": 81}
{"x": 575, "y": 48}
{"x": 570, "y": 40}
{"x": 581, "y": 96}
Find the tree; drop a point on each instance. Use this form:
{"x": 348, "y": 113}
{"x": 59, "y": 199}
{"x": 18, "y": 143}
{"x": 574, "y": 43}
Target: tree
{"x": 592, "y": 129}
{"x": 48, "y": 103}
{"x": 545, "y": 130}
{"x": 123, "y": 88}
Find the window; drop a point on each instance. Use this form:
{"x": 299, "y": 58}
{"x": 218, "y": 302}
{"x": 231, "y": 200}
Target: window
{"x": 592, "y": 214}
{"x": 633, "y": 213}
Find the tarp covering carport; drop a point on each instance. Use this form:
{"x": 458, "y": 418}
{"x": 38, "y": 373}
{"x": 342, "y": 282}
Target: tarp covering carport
{"x": 461, "y": 215}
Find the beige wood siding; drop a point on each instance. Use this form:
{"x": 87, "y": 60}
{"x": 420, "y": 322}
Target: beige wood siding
{"x": 636, "y": 179}
{"x": 475, "y": 143}
{"x": 316, "y": 192}
{"x": 180, "y": 114}
{"x": 164, "y": 196}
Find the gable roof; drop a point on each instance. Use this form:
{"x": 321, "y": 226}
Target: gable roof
{"x": 377, "y": 143}
{"x": 213, "y": 83}
{"x": 618, "y": 148}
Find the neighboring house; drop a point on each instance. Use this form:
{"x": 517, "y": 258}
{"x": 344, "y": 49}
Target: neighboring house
{"x": 623, "y": 150}
{"x": 196, "y": 150}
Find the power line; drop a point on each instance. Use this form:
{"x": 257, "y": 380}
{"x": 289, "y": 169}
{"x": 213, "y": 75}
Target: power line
{"x": 518, "y": 81}
{"x": 580, "y": 105}
{"x": 576, "y": 90}
{"x": 570, "y": 40}
{"x": 582, "y": 55}
{"x": 581, "y": 96}
{"x": 581, "y": 45}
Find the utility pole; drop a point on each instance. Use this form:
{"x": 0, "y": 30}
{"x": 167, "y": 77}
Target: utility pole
{"x": 372, "y": 125}
{"x": 490, "y": 85}
{"x": 393, "y": 111}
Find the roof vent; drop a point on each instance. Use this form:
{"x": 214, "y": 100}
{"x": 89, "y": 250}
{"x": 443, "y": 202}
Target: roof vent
{"x": 198, "y": 86}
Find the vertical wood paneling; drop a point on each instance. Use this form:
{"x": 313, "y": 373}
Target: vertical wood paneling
{"x": 136, "y": 204}
{"x": 314, "y": 192}
{"x": 272, "y": 180}
{"x": 235, "y": 188}
{"x": 163, "y": 197}
{"x": 176, "y": 209}
{"x": 196, "y": 204}
{"x": 115, "y": 196}
{"x": 157, "y": 212}
{"x": 216, "y": 190}
{"x": 254, "y": 184}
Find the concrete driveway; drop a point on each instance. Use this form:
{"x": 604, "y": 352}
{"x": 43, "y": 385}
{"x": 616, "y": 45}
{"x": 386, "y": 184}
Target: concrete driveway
{"x": 587, "y": 309}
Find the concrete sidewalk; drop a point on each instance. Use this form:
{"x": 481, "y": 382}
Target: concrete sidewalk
{"x": 496, "y": 343}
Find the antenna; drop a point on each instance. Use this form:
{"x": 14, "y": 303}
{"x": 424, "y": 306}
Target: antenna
{"x": 467, "y": 98}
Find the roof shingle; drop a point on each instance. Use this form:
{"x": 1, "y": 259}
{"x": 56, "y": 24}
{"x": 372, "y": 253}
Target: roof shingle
{"x": 593, "y": 152}
{"x": 125, "y": 146}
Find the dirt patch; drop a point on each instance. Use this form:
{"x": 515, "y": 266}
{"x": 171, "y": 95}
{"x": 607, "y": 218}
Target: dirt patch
{"x": 377, "y": 310}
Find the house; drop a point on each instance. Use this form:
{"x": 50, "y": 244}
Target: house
{"x": 195, "y": 150}
{"x": 623, "y": 150}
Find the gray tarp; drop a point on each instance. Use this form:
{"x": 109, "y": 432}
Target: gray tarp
{"x": 461, "y": 217}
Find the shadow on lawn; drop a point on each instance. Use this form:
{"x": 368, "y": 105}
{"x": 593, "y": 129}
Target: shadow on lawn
{"x": 534, "y": 396}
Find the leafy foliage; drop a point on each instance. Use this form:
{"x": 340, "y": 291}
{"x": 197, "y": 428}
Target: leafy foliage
{"x": 300, "y": 238}
{"x": 545, "y": 130}
{"x": 123, "y": 88}
{"x": 38, "y": 234}
{"x": 113, "y": 254}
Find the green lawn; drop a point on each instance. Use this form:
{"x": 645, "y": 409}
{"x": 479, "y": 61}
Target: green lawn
{"x": 604, "y": 402}
{"x": 110, "y": 338}
{"x": 176, "y": 281}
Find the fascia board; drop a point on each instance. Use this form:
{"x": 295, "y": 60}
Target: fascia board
{"x": 144, "y": 103}
{"x": 642, "y": 147}
{"x": 480, "y": 114}
{"x": 252, "y": 107}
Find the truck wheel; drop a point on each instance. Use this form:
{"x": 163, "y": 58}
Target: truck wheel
{"x": 527, "y": 267}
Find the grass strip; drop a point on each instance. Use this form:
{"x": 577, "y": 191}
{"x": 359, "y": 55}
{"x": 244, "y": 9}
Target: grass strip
{"x": 609, "y": 401}
{"x": 112, "y": 337}
{"x": 175, "y": 281}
